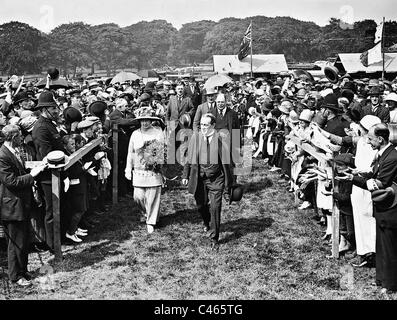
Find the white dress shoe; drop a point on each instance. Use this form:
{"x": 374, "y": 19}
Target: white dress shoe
{"x": 73, "y": 237}
{"x": 150, "y": 228}
{"x": 23, "y": 282}
{"x": 81, "y": 233}
{"x": 82, "y": 230}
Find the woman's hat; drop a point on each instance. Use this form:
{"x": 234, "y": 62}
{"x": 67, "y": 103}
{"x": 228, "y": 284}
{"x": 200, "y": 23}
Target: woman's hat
{"x": 369, "y": 120}
{"x": 306, "y": 115}
{"x": 27, "y": 123}
{"x": 293, "y": 117}
{"x": 385, "y": 199}
{"x": 146, "y": 113}
{"x": 97, "y": 108}
{"x": 71, "y": 114}
{"x": 56, "y": 159}
{"x": 285, "y": 107}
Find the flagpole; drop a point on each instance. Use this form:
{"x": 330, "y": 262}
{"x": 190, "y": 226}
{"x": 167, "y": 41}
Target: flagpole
{"x": 383, "y": 51}
{"x": 251, "y": 48}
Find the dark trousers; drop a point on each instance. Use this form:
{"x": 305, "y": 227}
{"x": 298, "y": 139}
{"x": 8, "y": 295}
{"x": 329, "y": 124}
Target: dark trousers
{"x": 386, "y": 257}
{"x": 49, "y": 216}
{"x": 18, "y": 248}
{"x": 346, "y": 226}
{"x": 209, "y": 203}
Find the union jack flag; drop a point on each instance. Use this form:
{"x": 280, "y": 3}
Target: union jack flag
{"x": 245, "y": 45}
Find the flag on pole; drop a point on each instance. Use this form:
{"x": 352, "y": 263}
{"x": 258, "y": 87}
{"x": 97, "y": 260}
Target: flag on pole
{"x": 245, "y": 45}
{"x": 378, "y": 33}
{"x": 374, "y": 55}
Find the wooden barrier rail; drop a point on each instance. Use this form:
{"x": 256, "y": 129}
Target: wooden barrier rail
{"x": 321, "y": 157}
{"x": 56, "y": 185}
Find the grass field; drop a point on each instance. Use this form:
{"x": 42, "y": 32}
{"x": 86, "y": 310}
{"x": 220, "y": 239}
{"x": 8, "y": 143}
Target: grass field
{"x": 269, "y": 250}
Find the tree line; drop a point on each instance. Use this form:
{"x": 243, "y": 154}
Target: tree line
{"x": 157, "y": 43}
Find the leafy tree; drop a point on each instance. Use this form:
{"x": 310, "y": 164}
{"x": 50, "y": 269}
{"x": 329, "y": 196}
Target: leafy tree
{"x": 20, "y": 48}
{"x": 153, "y": 40}
{"x": 71, "y": 46}
{"x": 113, "y": 47}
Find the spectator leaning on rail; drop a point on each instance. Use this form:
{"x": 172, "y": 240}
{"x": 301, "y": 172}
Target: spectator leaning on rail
{"x": 46, "y": 138}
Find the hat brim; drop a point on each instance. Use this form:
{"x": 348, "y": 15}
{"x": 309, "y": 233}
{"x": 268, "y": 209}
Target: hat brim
{"x": 57, "y": 166}
{"x": 383, "y": 203}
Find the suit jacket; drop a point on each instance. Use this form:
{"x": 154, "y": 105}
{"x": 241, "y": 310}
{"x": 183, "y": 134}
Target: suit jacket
{"x": 191, "y": 167}
{"x": 15, "y": 188}
{"x": 381, "y": 112}
{"x": 384, "y": 170}
{"x": 194, "y": 96}
{"x": 201, "y": 109}
{"x": 176, "y": 109}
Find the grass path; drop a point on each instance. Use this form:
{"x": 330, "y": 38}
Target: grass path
{"x": 269, "y": 250}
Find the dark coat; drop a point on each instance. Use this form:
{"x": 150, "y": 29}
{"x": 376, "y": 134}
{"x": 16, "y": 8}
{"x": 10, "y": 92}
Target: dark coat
{"x": 381, "y": 112}
{"x": 384, "y": 170}
{"x": 175, "y": 109}
{"x": 46, "y": 138}
{"x": 191, "y": 167}
{"x": 194, "y": 96}
{"x": 15, "y": 188}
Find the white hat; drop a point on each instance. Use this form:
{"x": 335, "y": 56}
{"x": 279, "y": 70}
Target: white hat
{"x": 391, "y": 97}
{"x": 251, "y": 110}
{"x": 260, "y": 92}
{"x": 56, "y": 159}
{"x": 306, "y": 115}
{"x": 369, "y": 120}
{"x": 326, "y": 92}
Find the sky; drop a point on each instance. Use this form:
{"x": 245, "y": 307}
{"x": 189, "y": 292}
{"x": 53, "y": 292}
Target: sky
{"x": 48, "y": 14}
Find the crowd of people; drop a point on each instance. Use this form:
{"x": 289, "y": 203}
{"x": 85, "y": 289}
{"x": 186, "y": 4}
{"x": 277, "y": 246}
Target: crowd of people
{"x": 349, "y": 124}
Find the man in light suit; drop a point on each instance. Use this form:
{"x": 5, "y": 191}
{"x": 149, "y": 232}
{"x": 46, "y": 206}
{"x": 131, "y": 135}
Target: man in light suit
{"x": 208, "y": 175}
{"x": 15, "y": 203}
{"x": 205, "y": 107}
{"x": 179, "y": 105}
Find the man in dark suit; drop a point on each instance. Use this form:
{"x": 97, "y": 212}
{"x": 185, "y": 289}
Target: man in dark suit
{"x": 207, "y": 174}
{"x": 374, "y": 106}
{"x": 15, "y": 203}
{"x": 125, "y": 128}
{"x": 46, "y": 138}
{"x": 205, "y": 107}
{"x": 384, "y": 173}
{"x": 193, "y": 92}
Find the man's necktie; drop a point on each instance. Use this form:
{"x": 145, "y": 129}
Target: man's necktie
{"x": 19, "y": 157}
{"x": 208, "y": 150}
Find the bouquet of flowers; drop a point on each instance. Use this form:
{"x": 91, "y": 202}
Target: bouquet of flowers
{"x": 152, "y": 155}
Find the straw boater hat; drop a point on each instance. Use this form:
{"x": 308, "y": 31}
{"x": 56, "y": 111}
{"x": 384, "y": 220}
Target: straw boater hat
{"x": 56, "y": 159}
{"x": 385, "y": 199}
{"x": 285, "y": 107}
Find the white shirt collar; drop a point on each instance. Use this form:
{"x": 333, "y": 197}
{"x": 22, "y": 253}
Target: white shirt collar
{"x": 381, "y": 150}
{"x": 223, "y": 111}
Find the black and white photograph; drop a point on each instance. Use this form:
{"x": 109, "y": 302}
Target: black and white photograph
{"x": 213, "y": 152}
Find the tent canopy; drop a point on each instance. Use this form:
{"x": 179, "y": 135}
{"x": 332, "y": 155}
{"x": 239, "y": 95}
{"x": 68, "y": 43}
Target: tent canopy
{"x": 261, "y": 63}
{"x": 352, "y": 64}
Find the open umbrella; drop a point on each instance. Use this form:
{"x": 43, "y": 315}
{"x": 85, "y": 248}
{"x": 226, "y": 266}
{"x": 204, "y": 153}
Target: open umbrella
{"x": 54, "y": 84}
{"x": 148, "y": 74}
{"x": 124, "y": 76}
{"x": 217, "y": 80}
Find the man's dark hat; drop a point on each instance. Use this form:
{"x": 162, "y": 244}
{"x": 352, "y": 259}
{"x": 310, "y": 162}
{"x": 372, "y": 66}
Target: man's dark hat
{"x": 331, "y": 102}
{"x": 348, "y": 94}
{"x": 129, "y": 96}
{"x": 236, "y": 193}
{"x": 350, "y": 86}
{"x": 374, "y": 91}
{"x": 74, "y": 92}
{"x": 54, "y": 73}
{"x": 21, "y": 96}
{"x": 46, "y": 99}
{"x": 97, "y": 108}
{"x": 72, "y": 114}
